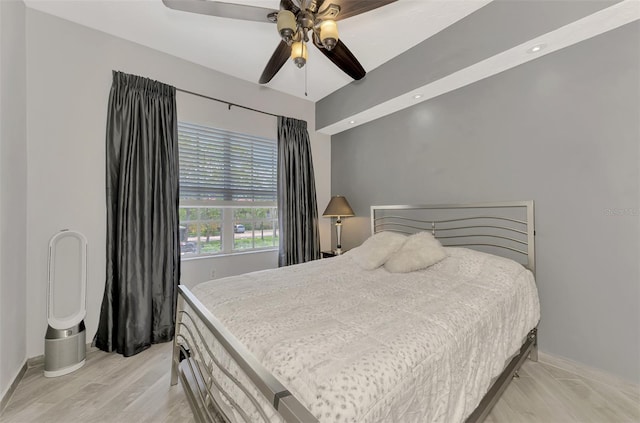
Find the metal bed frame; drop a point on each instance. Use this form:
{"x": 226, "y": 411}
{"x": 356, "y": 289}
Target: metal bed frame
{"x": 506, "y": 227}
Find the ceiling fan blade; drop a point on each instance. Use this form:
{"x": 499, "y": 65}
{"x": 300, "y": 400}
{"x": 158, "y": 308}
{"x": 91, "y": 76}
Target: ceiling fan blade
{"x": 278, "y": 59}
{"x": 345, "y": 60}
{"x": 221, "y": 9}
{"x": 349, "y": 8}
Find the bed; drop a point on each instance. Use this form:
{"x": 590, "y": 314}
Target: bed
{"x": 327, "y": 341}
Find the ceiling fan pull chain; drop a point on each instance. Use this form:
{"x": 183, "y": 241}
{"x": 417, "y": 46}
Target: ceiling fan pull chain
{"x": 306, "y": 85}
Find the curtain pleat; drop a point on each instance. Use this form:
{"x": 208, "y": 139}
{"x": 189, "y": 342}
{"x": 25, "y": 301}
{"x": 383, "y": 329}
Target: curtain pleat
{"x": 143, "y": 250}
{"x": 297, "y": 205}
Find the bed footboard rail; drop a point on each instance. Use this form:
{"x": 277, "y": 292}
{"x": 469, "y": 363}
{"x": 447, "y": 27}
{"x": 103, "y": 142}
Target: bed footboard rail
{"x": 223, "y": 381}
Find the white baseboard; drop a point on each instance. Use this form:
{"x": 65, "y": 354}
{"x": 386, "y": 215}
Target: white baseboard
{"x": 7, "y": 395}
{"x": 591, "y": 373}
{"x": 28, "y": 363}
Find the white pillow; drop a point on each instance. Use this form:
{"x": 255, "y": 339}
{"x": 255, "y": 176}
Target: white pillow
{"x": 421, "y": 250}
{"x": 377, "y": 249}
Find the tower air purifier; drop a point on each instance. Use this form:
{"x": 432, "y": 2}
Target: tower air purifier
{"x": 65, "y": 341}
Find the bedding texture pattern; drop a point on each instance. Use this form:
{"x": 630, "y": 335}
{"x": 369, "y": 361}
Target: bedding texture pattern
{"x": 358, "y": 345}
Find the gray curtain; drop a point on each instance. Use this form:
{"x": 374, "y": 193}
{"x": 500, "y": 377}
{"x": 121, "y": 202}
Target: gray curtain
{"x": 297, "y": 205}
{"x": 143, "y": 250}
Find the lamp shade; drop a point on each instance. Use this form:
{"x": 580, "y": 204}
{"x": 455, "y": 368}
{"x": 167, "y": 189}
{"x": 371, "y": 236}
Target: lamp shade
{"x": 338, "y": 206}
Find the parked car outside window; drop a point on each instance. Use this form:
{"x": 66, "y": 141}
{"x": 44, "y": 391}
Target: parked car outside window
{"x": 188, "y": 247}
{"x": 239, "y": 229}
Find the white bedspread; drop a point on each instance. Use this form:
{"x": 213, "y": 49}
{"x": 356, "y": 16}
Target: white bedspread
{"x": 371, "y": 346}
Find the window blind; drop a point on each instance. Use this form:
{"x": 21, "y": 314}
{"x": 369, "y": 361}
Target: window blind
{"x": 216, "y": 164}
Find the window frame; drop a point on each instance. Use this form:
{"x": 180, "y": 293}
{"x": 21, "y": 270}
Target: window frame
{"x": 227, "y": 234}
{"x": 227, "y": 206}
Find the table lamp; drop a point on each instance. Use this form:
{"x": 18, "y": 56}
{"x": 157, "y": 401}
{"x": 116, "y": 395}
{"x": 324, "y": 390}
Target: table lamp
{"x": 338, "y": 207}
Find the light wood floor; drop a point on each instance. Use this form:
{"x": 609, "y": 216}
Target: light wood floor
{"x": 110, "y": 388}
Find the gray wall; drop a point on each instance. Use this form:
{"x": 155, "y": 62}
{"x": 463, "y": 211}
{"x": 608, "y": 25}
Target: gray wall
{"x": 13, "y": 188}
{"x": 562, "y": 130}
{"x": 494, "y": 28}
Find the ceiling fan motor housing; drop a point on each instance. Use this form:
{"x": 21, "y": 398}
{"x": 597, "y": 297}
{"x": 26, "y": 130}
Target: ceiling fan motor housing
{"x": 306, "y": 20}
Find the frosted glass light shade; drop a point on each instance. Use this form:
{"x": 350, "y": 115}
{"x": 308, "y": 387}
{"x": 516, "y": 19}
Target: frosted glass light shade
{"x": 329, "y": 33}
{"x": 299, "y": 53}
{"x": 286, "y": 23}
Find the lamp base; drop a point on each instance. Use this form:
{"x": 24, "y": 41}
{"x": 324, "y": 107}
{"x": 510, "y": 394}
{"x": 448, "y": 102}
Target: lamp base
{"x": 337, "y": 251}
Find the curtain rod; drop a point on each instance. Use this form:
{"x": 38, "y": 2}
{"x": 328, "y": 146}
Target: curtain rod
{"x": 225, "y": 102}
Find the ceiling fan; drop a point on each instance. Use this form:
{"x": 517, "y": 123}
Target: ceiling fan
{"x": 298, "y": 22}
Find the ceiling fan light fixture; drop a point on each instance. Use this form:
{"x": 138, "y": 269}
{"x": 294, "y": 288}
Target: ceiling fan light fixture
{"x": 299, "y": 53}
{"x": 329, "y": 33}
{"x": 286, "y": 25}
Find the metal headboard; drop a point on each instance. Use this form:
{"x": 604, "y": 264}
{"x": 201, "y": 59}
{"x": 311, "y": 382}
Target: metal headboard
{"x": 505, "y": 228}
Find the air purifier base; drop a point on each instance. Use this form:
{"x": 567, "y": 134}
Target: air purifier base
{"x": 64, "y": 350}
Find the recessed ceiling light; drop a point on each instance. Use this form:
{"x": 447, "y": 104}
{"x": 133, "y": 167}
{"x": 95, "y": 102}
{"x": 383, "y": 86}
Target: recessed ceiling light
{"x": 417, "y": 96}
{"x": 536, "y": 48}
{"x": 351, "y": 122}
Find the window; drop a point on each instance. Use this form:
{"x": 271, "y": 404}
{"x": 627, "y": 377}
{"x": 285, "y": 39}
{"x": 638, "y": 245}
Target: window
{"x": 200, "y": 230}
{"x": 255, "y": 228}
{"x": 228, "y": 191}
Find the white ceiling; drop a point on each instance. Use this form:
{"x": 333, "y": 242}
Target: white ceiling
{"x": 242, "y": 48}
